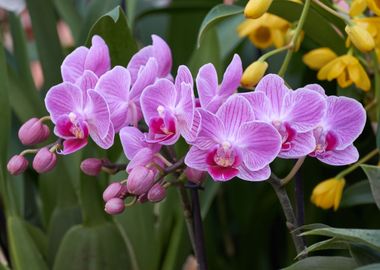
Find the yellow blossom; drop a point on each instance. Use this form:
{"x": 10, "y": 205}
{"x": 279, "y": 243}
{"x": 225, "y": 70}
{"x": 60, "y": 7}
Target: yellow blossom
{"x": 328, "y": 193}
{"x": 374, "y": 5}
{"x": 347, "y": 70}
{"x": 318, "y": 58}
{"x": 253, "y": 73}
{"x": 357, "y": 7}
{"x": 265, "y": 31}
{"x": 256, "y": 8}
{"x": 360, "y": 37}
{"x": 372, "y": 25}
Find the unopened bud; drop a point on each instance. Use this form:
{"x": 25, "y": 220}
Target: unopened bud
{"x": 143, "y": 198}
{"x": 114, "y": 206}
{"x": 253, "y": 73}
{"x": 297, "y": 43}
{"x": 360, "y": 37}
{"x": 256, "y": 8}
{"x": 33, "y": 131}
{"x": 115, "y": 190}
{"x": 140, "y": 180}
{"x": 156, "y": 193}
{"x": 194, "y": 176}
{"x": 17, "y": 164}
{"x": 44, "y": 160}
{"x": 91, "y": 166}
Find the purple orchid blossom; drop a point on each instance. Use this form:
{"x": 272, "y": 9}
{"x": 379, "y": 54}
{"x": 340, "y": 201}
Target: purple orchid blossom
{"x": 341, "y": 125}
{"x": 231, "y": 143}
{"x": 293, "y": 113}
{"x": 211, "y": 95}
{"x": 169, "y": 108}
{"x": 78, "y": 114}
{"x": 95, "y": 59}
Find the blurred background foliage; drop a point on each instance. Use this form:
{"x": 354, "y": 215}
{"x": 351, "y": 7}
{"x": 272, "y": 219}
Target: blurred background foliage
{"x": 56, "y": 220}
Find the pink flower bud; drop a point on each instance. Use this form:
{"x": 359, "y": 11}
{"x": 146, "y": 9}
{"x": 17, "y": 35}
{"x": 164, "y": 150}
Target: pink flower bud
{"x": 143, "y": 198}
{"x": 17, "y": 164}
{"x": 44, "y": 160}
{"x": 33, "y": 131}
{"x": 140, "y": 180}
{"x": 114, "y": 206}
{"x": 156, "y": 193}
{"x": 115, "y": 190}
{"x": 91, "y": 166}
{"x": 194, "y": 175}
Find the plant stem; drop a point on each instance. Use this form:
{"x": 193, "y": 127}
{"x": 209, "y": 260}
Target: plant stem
{"x": 293, "y": 171}
{"x": 377, "y": 83}
{"x": 287, "y": 208}
{"x": 292, "y": 43}
{"x": 273, "y": 52}
{"x": 332, "y": 11}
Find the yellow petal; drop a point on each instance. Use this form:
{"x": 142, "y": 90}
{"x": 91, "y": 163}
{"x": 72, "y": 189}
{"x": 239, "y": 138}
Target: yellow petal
{"x": 318, "y": 58}
{"x": 360, "y": 37}
{"x": 247, "y": 27}
{"x": 278, "y": 38}
{"x": 253, "y": 73}
{"x": 338, "y": 193}
{"x": 256, "y": 8}
{"x": 336, "y": 70}
{"x": 374, "y": 5}
{"x": 261, "y": 37}
{"x": 344, "y": 79}
{"x": 357, "y": 7}
{"x": 363, "y": 82}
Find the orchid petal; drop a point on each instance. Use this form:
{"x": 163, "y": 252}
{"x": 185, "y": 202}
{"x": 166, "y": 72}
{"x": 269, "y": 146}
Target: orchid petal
{"x": 342, "y": 157}
{"x": 97, "y": 115}
{"x": 207, "y": 84}
{"x": 232, "y": 76}
{"x": 302, "y": 145}
{"x": 73, "y": 65}
{"x": 196, "y": 158}
{"x": 162, "y": 53}
{"x": 211, "y": 130}
{"x": 98, "y": 59}
{"x": 254, "y": 176}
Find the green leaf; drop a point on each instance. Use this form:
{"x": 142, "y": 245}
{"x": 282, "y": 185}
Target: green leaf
{"x": 332, "y": 243}
{"x": 357, "y": 194}
{"x": 373, "y": 174}
{"x": 375, "y": 266}
{"x": 99, "y": 247}
{"x": 24, "y": 252}
{"x": 323, "y": 263}
{"x": 216, "y": 15}
{"x": 364, "y": 255}
{"x": 70, "y": 14}
{"x": 113, "y": 28}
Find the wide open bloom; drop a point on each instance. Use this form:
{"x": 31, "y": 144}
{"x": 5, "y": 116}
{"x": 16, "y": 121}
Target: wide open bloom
{"x": 78, "y": 114}
{"x": 95, "y": 59}
{"x": 341, "y": 125}
{"x": 211, "y": 94}
{"x": 293, "y": 113}
{"x": 231, "y": 143}
{"x": 169, "y": 108}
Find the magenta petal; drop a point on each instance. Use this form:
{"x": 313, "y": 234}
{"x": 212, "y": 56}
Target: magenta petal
{"x": 142, "y": 158}
{"x": 114, "y": 87}
{"x": 207, "y": 84}
{"x": 73, "y": 65}
{"x": 98, "y": 115}
{"x": 196, "y": 158}
{"x": 163, "y": 55}
{"x": 104, "y": 142}
{"x": 162, "y": 93}
{"x": 222, "y": 174}
{"x": 260, "y": 105}
{"x": 138, "y": 60}
{"x": 211, "y": 131}
{"x": 191, "y": 134}
{"x": 146, "y": 76}
{"x": 260, "y": 143}
{"x": 302, "y": 145}
{"x": 274, "y": 88}
{"x": 255, "y": 176}
{"x": 232, "y": 76}
{"x": 185, "y": 107}
{"x": 73, "y": 145}
{"x": 98, "y": 59}
{"x": 183, "y": 76}
{"x": 235, "y": 112}
{"x": 346, "y": 118}
{"x": 346, "y": 156}
{"x": 62, "y": 99}
{"x": 317, "y": 88}
{"x": 304, "y": 109}
{"x": 87, "y": 81}
{"x": 132, "y": 140}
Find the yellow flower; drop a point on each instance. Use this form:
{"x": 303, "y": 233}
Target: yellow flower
{"x": 374, "y": 5}
{"x": 372, "y": 25}
{"x": 347, "y": 70}
{"x": 318, "y": 58}
{"x": 253, "y": 73}
{"x": 360, "y": 37}
{"x": 328, "y": 193}
{"x": 256, "y": 8}
{"x": 357, "y": 7}
{"x": 265, "y": 31}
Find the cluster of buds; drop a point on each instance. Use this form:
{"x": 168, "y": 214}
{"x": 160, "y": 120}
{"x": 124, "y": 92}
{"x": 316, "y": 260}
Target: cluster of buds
{"x": 32, "y": 132}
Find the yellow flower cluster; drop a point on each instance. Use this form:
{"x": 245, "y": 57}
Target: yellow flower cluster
{"x": 359, "y": 6}
{"x": 328, "y": 193}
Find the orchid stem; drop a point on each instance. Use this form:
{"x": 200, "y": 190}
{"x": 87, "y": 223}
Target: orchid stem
{"x": 273, "y": 52}
{"x": 291, "y": 221}
{"x": 293, "y": 171}
{"x": 294, "y": 39}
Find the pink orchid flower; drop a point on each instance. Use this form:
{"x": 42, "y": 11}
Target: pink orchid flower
{"x": 78, "y": 114}
{"x": 232, "y": 143}
{"x": 211, "y": 95}
{"x": 96, "y": 59}
{"x": 341, "y": 125}
{"x": 169, "y": 108}
{"x": 293, "y": 113}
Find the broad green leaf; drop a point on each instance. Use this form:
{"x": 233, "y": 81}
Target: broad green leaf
{"x": 114, "y": 29}
{"x": 375, "y": 266}
{"x": 360, "y": 236}
{"x": 216, "y": 15}
{"x": 364, "y": 255}
{"x": 332, "y": 243}
{"x": 48, "y": 45}
{"x": 39, "y": 238}
{"x": 373, "y": 174}
{"x": 99, "y": 247}
{"x": 24, "y": 252}
{"x": 207, "y": 195}
{"x": 324, "y": 263}
{"x": 357, "y": 194}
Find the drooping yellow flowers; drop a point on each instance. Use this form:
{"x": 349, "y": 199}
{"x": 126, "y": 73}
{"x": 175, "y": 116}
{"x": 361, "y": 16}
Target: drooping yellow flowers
{"x": 358, "y": 6}
{"x": 265, "y": 31}
{"x": 256, "y": 8}
{"x": 328, "y": 193}
{"x": 360, "y": 37}
{"x": 317, "y": 58}
{"x": 253, "y": 73}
